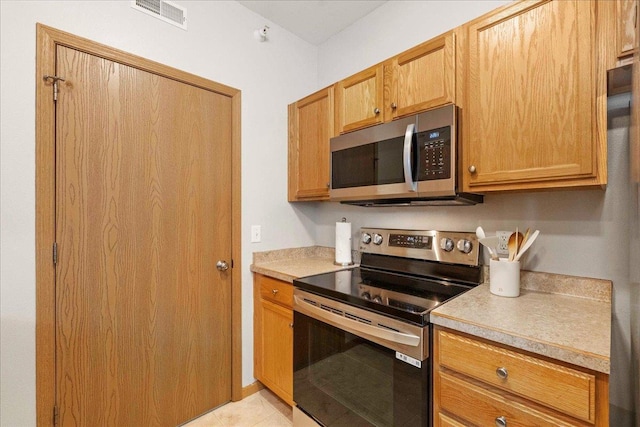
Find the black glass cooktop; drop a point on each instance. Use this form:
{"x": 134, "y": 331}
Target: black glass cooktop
{"x": 402, "y": 296}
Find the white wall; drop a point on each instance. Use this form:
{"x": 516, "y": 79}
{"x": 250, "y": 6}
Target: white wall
{"x": 218, "y": 45}
{"x": 583, "y": 233}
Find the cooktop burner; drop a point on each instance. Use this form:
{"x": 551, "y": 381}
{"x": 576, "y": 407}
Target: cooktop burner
{"x": 403, "y": 273}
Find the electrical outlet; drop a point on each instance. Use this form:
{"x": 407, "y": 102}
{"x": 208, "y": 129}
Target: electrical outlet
{"x": 503, "y": 242}
{"x": 256, "y": 234}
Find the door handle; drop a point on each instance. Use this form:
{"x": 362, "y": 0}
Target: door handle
{"x": 406, "y": 157}
{"x": 222, "y": 265}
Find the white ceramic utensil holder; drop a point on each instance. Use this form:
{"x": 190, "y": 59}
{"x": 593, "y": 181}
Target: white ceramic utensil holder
{"x": 504, "y": 278}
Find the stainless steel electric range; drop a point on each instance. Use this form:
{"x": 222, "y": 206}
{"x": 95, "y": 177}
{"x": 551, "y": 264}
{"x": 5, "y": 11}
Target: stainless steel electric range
{"x": 362, "y": 336}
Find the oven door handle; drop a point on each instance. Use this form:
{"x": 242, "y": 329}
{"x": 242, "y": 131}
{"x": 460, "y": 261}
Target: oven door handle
{"x": 354, "y": 326}
{"x": 406, "y": 157}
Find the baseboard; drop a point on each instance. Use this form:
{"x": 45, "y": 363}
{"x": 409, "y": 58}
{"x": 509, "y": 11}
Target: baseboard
{"x": 251, "y": 389}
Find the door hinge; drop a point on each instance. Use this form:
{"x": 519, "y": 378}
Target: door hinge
{"x": 56, "y": 415}
{"x": 55, "y": 80}
{"x": 55, "y": 253}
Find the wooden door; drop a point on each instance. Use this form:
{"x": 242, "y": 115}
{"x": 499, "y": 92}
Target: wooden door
{"x": 277, "y": 349}
{"x": 421, "y": 78}
{"x": 359, "y": 100}
{"x": 310, "y": 129}
{"x": 143, "y": 212}
{"x": 530, "y": 116}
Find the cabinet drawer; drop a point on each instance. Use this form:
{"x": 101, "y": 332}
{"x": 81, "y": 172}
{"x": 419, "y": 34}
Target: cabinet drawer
{"x": 444, "y": 421}
{"x": 568, "y": 390}
{"x": 480, "y": 407}
{"x": 276, "y": 291}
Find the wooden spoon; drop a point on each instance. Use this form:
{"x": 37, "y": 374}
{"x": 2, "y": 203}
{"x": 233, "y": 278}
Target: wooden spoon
{"x": 524, "y": 240}
{"x": 515, "y": 240}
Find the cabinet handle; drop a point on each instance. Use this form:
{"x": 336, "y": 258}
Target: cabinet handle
{"x": 328, "y": 185}
{"x": 393, "y": 106}
{"x": 502, "y": 373}
{"x": 274, "y": 292}
{"x": 472, "y": 169}
{"x": 501, "y": 422}
{"x": 291, "y": 325}
{"x": 376, "y": 111}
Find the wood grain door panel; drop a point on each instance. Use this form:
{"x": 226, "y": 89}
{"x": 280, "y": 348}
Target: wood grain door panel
{"x": 532, "y": 95}
{"x": 143, "y": 212}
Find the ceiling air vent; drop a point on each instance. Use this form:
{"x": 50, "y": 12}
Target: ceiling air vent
{"x": 165, "y": 10}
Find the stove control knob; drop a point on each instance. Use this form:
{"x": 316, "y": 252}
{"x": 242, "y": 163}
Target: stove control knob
{"x": 366, "y": 295}
{"x": 366, "y": 238}
{"x": 464, "y": 246}
{"x": 377, "y": 239}
{"x": 377, "y": 299}
{"x": 446, "y": 244}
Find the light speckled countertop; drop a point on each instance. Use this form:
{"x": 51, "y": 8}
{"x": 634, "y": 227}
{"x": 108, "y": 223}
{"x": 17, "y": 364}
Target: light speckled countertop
{"x": 289, "y": 264}
{"x": 563, "y": 317}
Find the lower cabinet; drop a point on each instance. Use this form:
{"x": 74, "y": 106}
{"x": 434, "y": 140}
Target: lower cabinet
{"x": 479, "y": 382}
{"x": 273, "y": 335}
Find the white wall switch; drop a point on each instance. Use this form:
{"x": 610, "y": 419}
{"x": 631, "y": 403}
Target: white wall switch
{"x": 256, "y": 234}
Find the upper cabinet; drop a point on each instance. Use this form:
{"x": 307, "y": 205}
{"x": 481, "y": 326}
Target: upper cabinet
{"x": 530, "y": 81}
{"x": 534, "y": 116}
{"x": 310, "y": 128}
{"x": 626, "y": 27}
{"x": 359, "y": 100}
{"x": 421, "y": 78}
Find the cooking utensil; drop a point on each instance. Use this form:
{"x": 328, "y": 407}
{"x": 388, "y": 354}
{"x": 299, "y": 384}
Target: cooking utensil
{"x": 525, "y": 238}
{"x": 527, "y": 244}
{"x": 480, "y": 233}
{"x": 491, "y": 243}
{"x": 514, "y": 243}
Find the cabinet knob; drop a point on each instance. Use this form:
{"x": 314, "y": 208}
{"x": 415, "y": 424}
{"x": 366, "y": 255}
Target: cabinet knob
{"x": 274, "y": 292}
{"x": 328, "y": 185}
{"x": 501, "y": 422}
{"x": 472, "y": 169}
{"x": 393, "y": 106}
{"x": 291, "y": 325}
{"x": 502, "y": 373}
{"x": 376, "y": 111}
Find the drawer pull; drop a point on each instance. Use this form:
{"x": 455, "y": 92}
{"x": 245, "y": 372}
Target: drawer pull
{"x": 501, "y": 422}
{"x": 274, "y": 292}
{"x": 502, "y": 373}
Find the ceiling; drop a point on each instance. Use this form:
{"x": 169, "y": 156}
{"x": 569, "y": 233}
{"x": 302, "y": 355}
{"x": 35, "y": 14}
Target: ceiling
{"x": 314, "y": 21}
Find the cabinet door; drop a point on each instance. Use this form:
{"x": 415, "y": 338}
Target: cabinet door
{"x": 310, "y": 128}
{"x": 421, "y": 78}
{"x": 626, "y": 22}
{"x": 359, "y": 100}
{"x": 530, "y": 116}
{"x": 276, "y": 349}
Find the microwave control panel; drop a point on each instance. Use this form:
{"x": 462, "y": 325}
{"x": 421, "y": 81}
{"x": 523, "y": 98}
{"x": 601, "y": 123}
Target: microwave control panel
{"x": 434, "y": 154}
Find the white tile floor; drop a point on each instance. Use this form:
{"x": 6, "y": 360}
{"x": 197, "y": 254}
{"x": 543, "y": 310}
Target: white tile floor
{"x": 261, "y": 409}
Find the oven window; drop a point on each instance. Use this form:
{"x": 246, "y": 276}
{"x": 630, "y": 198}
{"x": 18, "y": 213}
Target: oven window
{"x": 341, "y": 379}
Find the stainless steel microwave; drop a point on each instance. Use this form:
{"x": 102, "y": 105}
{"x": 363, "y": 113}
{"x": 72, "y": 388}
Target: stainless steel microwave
{"x": 410, "y": 161}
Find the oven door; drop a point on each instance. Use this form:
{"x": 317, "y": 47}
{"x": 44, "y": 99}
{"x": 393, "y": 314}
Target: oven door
{"x": 344, "y": 378}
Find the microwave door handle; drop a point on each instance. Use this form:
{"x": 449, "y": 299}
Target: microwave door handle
{"x": 408, "y": 173}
